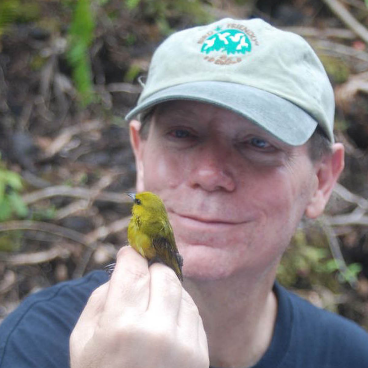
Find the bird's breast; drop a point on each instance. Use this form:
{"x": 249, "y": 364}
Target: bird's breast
{"x": 139, "y": 239}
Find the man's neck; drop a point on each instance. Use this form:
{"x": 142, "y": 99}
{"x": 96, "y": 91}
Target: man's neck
{"x": 239, "y": 318}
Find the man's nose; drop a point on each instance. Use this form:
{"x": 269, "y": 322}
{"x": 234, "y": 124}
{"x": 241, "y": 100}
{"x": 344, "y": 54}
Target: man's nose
{"x": 212, "y": 169}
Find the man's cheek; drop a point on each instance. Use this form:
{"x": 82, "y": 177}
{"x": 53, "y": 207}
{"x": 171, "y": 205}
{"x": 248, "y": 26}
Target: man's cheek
{"x": 163, "y": 171}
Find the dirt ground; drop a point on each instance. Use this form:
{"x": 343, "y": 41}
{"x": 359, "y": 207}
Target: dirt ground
{"x": 76, "y": 162}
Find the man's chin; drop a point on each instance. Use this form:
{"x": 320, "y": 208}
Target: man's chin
{"x": 202, "y": 262}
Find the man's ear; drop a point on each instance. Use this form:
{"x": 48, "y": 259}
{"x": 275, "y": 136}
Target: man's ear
{"x": 137, "y": 145}
{"x": 328, "y": 172}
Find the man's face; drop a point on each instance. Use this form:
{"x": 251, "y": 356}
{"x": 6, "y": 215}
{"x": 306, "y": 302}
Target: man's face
{"x": 234, "y": 193}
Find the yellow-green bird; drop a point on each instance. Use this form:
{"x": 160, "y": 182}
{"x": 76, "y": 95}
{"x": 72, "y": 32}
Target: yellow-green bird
{"x": 150, "y": 232}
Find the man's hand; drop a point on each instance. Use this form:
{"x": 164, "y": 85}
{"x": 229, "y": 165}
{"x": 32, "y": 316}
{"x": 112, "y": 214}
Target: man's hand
{"x": 141, "y": 318}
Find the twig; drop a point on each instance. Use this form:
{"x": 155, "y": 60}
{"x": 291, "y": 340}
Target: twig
{"x": 341, "y": 33}
{"x": 88, "y": 252}
{"x": 37, "y": 257}
{"x": 103, "y": 183}
{"x": 104, "y": 231}
{"x": 47, "y": 76}
{"x": 334, "y": 245}
{"x": 83, "y": 262}
{"x": 346, "y": 195}
{"x": 345, "y": 93}
{"x": 64, "y": 232}
{"x": 83, "y": 204}
{"x": 34, "y": 180}
{"x": 67, "y": 134}
{"x": 357, "y": 216}
{"x": 81, "y": 193}
{"x": 95, "y": 235}
{"x": 8, "y": 281}
{"x": 25, "y": 115}
{"x": 348, "y": 19}
{"x": 91, "y": 241}
{"x": 339, "y": 49}
{"x": 350, "y": 219}
{"x": 72, "y": 208}
{"x": 123, "y": 87}
{"x": 359, "y": 4}
{"x": 45, "y": 227}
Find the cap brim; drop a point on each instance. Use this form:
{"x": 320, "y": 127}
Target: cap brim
{"x": 281, "y": 118}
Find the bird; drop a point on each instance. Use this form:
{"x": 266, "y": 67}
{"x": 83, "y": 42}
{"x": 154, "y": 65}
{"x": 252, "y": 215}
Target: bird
{"x": 223, "y": 37}
{"x": 150, "y": 232}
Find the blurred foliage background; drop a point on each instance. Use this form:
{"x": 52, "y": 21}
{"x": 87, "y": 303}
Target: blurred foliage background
{"x": 69, "y": 73}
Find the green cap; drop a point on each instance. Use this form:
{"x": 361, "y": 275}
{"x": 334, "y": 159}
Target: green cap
{"x": 267, "y": 75}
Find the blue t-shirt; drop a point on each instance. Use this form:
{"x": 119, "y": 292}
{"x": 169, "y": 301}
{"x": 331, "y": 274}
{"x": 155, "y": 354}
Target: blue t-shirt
{"x": 36, "y": 334}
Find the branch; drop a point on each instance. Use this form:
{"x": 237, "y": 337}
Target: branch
{"x": 37, "y": 257}
{"x": 334, "y": 48}
{"x": 123, "y": 87}
{"x": 334, "y": 245}
{"x": 87, "y": 240}
{"x": 95, "y": 235}
{"x": 350, "y": 197}
{"x": 65, "y": 191}
{"x": 66, "y": 136}
{"x": 103, "y": 231}
{"x": 348, "y": 220}
{"x": 72, "y": 208}
{"x": 8, "y": 281}
{"x": 44, "y": 227}
{"x": 341, "y": 33}
{"x": 348, "y": 19}
{"x": 357, "y": 216}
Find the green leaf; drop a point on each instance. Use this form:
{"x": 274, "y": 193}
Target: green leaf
{"x": 5, "y": 210}
{"x": 8, "y": 10}
{"x": 132, "y": 4}
{"x": 102, "y": 2}
{"x": 11, "y": 180}
{"x": 10, "y": 200}
{"x": 14, "y": 180}
{"x": 10, "y": 241}
{"x": 83, "y": 22}
{"x": 331, "y": 265}
{"x": 2, "y": 190}
{"x": 17, "y": 205}
{"x": 132, "y": 73}
{"x": 81, "y": 35}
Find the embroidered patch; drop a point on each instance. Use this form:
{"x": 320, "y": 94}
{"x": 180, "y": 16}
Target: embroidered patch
{"x": 227, "y": 46}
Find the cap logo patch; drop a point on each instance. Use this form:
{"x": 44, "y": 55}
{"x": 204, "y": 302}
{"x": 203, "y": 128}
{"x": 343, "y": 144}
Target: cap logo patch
{"x": 225, "y": 47}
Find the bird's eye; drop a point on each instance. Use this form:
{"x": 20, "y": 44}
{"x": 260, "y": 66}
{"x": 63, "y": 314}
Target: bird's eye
{"x": 137, "y": 201}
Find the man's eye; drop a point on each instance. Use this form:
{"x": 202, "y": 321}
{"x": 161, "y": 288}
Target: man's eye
{"x": 180, "y": 133}
{"x": 259, "y": 143}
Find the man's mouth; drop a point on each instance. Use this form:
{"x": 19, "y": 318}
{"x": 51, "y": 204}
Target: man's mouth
{"x": 195, "y": 222}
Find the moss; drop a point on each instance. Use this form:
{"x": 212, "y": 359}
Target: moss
{"x": 336, "y": 68}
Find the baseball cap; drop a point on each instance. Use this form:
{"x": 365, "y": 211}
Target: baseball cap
{"x": 269, "y": 76}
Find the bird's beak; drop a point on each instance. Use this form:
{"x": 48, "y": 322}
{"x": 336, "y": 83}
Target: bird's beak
{"x": 131, "y": 195}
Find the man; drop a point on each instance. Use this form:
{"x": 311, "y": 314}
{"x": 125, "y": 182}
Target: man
{"x": 235, "y": 133}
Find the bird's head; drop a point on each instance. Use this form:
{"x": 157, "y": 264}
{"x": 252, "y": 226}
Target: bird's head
{"x": 146, "y": 202}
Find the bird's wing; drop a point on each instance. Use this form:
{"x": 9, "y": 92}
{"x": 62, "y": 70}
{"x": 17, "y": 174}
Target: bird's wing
{"x": 209, "y": 43}
{"x": 166, "y": 252}
{"x": 223, "y": 37}
{"x": 168, "y": 233}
